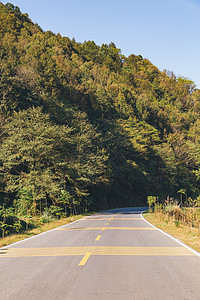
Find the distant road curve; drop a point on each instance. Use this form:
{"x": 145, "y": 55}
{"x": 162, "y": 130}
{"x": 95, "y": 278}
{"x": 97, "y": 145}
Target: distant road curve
{"x": 115, "y": 254}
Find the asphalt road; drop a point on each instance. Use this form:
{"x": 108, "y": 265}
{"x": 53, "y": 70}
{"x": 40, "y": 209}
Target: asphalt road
{"x": 110, "y": 255}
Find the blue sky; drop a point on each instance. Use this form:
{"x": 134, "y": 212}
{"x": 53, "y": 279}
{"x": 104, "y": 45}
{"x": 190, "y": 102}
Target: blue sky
{"x": 167, "y": 32}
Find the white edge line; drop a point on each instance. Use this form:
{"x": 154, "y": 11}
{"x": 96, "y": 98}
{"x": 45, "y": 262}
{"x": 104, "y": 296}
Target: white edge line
{"x": 170, "y": 236}
{"x": 39, "y": 234}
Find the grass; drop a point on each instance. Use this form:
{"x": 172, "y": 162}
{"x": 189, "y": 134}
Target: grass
{"x": 186, "y": 234}
{"x": 45, "y": 227}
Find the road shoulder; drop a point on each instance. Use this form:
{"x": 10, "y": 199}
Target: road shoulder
{"x": 189, "y": 237}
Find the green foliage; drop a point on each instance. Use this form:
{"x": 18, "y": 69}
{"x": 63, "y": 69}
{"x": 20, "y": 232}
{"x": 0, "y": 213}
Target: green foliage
{"x": 84, "y": 127}
{"x": 151, "y": 200}
{"x": 39, "y": 158}
{"x": 5, "y": 213}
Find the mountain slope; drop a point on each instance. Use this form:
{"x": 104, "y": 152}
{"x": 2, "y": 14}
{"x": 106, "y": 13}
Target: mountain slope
{"x": 132, "y": 130}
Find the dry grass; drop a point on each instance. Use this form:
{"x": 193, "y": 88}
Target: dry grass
{"x": 188, "y": 235}
{"x": 45, "y": 227}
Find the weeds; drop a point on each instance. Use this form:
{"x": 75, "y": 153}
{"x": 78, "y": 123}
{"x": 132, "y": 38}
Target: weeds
{"x": 187, "y": 213}
{"x": 14, "y": 237}
{"x": 180, "y": 219}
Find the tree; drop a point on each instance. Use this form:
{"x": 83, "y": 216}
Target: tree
{"x": 42, "y": 159}
{"x": 30, "y": 154}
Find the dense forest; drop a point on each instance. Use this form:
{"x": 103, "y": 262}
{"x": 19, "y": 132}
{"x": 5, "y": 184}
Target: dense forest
{"x": 83, "y": 127}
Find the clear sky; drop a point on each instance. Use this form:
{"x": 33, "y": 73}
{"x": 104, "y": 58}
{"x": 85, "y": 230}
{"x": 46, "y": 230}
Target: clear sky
{"x": 167, "y": 32}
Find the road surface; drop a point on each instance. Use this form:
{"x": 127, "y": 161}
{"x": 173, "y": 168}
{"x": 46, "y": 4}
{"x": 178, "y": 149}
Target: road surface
{"x": 110, "y": 255}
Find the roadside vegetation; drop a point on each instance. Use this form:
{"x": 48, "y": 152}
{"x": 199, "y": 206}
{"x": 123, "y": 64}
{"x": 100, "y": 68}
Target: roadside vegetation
{"x": 38, "y": 227}
{"x": 181, "y": 219}
{"x": 84, "y": 128}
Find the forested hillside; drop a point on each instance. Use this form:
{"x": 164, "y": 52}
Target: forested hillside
{"x": 84, "y": 127}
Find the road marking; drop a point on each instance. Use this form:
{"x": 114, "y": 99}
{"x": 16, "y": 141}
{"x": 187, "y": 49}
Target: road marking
{"x": 107, "y": 223}
{"x": 119, "y": 213}
{"x": 46, "y": 232}
{"x": 98, "y": 238}
{"x": 124, "y": 219}
{"x": 38, "y": 235}
{"x": 103, "y": 219}
{"x": 107, "y": 228}
{"x": 171, "y": 237}
{"x": 94, "y": 250}
{"x": 96, "y": 219}
{"x": 113, "y": 217}
{"x": 85, "y": 258}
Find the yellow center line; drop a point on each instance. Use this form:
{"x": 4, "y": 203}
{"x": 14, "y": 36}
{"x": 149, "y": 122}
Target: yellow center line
{"x": 85, "y": 258}
{"x": 95, "y": 219}
{"x": 130, "y": 228}
{"x": 128, "y": 219}
{"x": 98, "y": 238}
{"x": 107, "y": 223}
{"x": 113, "y": 217}
{"x": 118, "y": 213}
{"x": 86, "y": 251}
{"x": 109, "y": 219}
{"x": 107, "y": 228}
